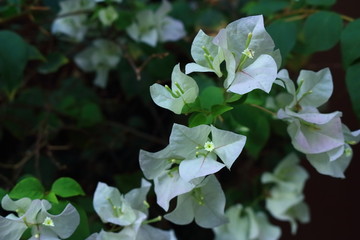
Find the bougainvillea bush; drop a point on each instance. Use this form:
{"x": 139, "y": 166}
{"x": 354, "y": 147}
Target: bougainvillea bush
{"x": 141, "y": 120}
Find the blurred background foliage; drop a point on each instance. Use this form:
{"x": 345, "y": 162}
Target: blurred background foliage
{"x": 55, "y": 123}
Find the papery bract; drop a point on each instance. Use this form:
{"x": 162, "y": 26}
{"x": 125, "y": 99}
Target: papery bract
{"x": 205, "y": 204}
{"x": 183, "y": 90}
{"x": 244, "y": 224}
{"x": 34, "y": 214}
{"x": 153, "y": 27}
{"x": 102, "y": 56}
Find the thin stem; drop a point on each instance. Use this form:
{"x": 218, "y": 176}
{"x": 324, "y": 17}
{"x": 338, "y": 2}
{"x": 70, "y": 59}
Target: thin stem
{"x": 262, "y": 108}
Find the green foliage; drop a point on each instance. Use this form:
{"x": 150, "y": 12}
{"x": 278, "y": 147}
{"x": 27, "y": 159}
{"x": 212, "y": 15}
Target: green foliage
{"x": 13, "y": 58}
{"x": 322, "y": 31}
{"x": 265, "y": 7}
{"x": 350, "y": 43}
{"x": 321, "y": 2}
{"x": 67, "y": 187}
{"x": 353, "y": 85}
{"x": 29, "y": 187}
{"x": 53, "y": 62}
{"x": 253, "y": 123}
{"x": 280, "y": 28}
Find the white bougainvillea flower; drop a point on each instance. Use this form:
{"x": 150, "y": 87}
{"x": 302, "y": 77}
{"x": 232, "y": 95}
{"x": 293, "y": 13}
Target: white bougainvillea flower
{"x": 33, "y": 214}
{"x": 312, "y": 132}
{"x": 251, "y": 61}
{"x": 163, "y": 169}
{"x": 288, "y": 206}
{"x": 113, "y": 207}
{"x": 286, "y": 200}
{"x": 335, "y": 161}
{"x": 206, "y": 54}
{"x": 145, "y": 232}
{"x": 153, "y": 27}
{"x": 183, "y": 90}
{"x": 189, "y": 157}
{"x": 314, "y": 88}
{"x": 108, "y": 15}
{"x": 205, "y": 204}
{"x": 102, "y": 56}
{"x": 244, "y": 224}
{"x": 129, "y": 211}
{"x": 288, "y": 174}
{"x": 72, "y": 19}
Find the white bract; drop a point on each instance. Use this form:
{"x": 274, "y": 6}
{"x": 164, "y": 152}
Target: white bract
{"x": 153, "y": 27}
{"x": 285, "y": 201}
{"x": 129, "y": 211}
{"x": 184, "y": 90}
{"x": 205, "y": 204}
{"x": 320, "y": 136}
{"x": 34, "y": 214}
{"x": 206, "y": 54}
{"x": 102, "y": 56}
{"x": 334, "y": 162}
{"x": 244, "y": 224}
{"x": 72, "y": 19}
{"x": 251, "y": 61}
{"x": 179, "y": 167}
{"x": 108, "y": 15}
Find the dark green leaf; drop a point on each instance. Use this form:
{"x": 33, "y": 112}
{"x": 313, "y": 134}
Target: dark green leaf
{"x": 257, "y": 127}
{"x": 210, "y": 18}
{"x": 197, "y": 119}
{"x": 13, "y": 59}
{"x": 284, "y": 35}
{"x": 350, "y": 42}
{"x": 67, "y": 187}
{"x": 53, "y": 62}
{"x": 217, "y": 110}
{"x": 34, "y": 54}
{"x": 321, "y": 2}
{"x": 90, "y": 114}
{"x": 28, "y": 187}
{"x": 353, "y": 86}
{"x": 265, "y": 7}
{"x": 211, "y": 96}
{"x": 322, "y": 31}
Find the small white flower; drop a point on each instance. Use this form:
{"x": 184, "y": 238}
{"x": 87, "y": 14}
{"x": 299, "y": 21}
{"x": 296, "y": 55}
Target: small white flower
{"x": 249, "y": 53}
{"x": 209, "y": 146}
{"x": 48, "y": 222}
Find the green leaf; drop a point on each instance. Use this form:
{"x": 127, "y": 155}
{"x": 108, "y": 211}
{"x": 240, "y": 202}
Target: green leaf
{"x": 13, "y": 59}
{"x": 90, "y": 114}
{"x": 284, "y": 35}
{"x": 217, "y": 110}
{"x": 34, "y": 54}
{"x": 322, "y": 31}
{"x": 211, "y": 96}
{"x": 321, "y": 2}
{"x": 258, "y": 127}
{"x": 67, "y": 187}
{"x": 264, "y": 7}
{"x": 53, "y": 62}
{"x": 197, "y": 119}
{"x": 29, "y": 187}
{"x": 350, "y": 42}
{"x": 353, "y": 86}
{"x": 210, "y": 18}
{"x": 51, "y": 197}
